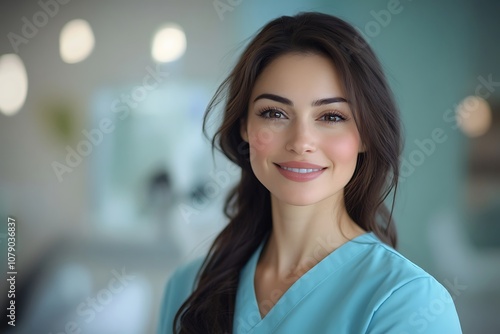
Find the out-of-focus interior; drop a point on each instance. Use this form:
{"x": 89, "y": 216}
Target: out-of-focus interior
{"x": 112, "y": 185}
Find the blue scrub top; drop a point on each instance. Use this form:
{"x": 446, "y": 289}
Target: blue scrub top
{"x": 364, "y": 286}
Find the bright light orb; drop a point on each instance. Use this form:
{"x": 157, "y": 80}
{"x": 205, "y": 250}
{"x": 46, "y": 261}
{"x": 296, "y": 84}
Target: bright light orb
{"x": 76, "y": 41}
{"x": 13, "y": 84}
{"x": 169, "y": 43}
{"x": 474, "y": 116}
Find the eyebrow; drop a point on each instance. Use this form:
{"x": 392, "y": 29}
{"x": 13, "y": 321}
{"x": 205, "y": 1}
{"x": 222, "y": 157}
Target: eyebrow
{"x": 286, "y": 101}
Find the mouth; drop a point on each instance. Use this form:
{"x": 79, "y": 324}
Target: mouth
{"x": 301, "y": 170}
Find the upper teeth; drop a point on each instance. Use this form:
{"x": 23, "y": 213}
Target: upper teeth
{"x": 301, "y": 170}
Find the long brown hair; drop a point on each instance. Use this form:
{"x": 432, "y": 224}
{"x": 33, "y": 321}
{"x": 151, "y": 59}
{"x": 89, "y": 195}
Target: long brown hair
{"x": 210, "y": 308}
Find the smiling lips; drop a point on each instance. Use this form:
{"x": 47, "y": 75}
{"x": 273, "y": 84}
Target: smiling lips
{"x": 299, "y": 171}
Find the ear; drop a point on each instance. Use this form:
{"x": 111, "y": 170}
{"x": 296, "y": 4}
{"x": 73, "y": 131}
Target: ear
{"x": 243, "y": 130}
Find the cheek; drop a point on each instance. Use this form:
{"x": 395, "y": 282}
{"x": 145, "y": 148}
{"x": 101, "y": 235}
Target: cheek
{"x": 262, "y": 140}
{"x": 343, "y": 149}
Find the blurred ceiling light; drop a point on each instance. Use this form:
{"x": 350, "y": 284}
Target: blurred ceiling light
{"x": 474, "y": 116}
{"x": 169, "y": 43}
{"x": 13, "y": 84}
{"x": 76, "y": 41}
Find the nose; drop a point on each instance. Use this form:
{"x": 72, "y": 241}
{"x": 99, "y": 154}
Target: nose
{"x": 300, "y": 139}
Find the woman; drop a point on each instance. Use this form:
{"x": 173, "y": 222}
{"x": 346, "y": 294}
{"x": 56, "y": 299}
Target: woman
{"x": 309, "y": 248}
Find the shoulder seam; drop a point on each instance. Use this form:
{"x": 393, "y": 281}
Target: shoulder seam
{"x": 403, "y": 285}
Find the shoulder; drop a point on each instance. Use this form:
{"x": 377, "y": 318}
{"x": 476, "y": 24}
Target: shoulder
{"x": 390, "y": 265}
{"x": 179, "y": 287}
{"x": 186, "y": 273}
{"x": 392, "y": 271}
{"x": 406, "y": 297}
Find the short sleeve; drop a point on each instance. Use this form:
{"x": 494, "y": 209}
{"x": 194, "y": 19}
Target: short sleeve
{"x": 179, "y": 287}
{"x": 166, "y": 311}
{"x": 421, "y": 305}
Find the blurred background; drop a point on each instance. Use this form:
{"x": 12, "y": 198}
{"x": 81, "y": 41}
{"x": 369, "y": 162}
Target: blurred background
{"x": 112, "y": 185}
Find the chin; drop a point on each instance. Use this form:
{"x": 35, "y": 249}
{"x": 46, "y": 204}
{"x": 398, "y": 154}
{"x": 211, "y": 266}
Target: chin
{"x": 298, "y": 199}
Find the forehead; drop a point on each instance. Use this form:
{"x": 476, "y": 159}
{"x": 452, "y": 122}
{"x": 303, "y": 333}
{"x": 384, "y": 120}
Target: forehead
{"x": 300, "y": 77}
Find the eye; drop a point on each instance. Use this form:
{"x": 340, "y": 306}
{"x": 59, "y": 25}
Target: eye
{"x": 272, "y": 113}
{"x": 332, "y": 118}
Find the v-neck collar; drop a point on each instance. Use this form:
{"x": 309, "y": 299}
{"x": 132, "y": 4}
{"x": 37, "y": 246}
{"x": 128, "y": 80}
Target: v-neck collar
{"x": 247, "y": 314}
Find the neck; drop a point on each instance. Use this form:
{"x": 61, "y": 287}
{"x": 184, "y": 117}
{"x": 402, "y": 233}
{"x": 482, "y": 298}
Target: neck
{"x": 303, "y": 235}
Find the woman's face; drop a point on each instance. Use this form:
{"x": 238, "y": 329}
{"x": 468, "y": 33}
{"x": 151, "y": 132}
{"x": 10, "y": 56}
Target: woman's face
{"x": 302, "y": 135}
